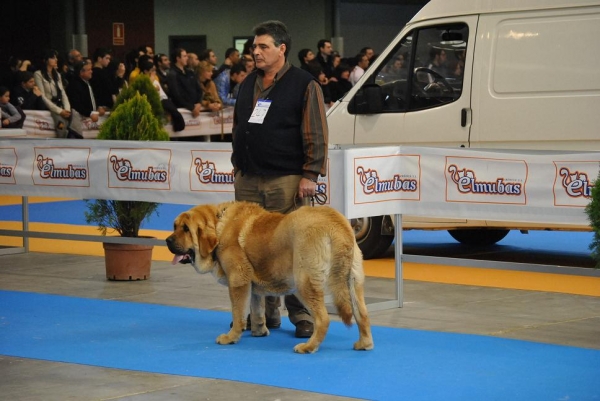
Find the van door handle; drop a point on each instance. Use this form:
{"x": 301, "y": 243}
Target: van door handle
{"x": 463, "y": 117}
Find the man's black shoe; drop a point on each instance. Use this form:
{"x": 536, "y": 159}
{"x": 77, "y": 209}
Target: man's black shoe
{"x": 304, "y": 329}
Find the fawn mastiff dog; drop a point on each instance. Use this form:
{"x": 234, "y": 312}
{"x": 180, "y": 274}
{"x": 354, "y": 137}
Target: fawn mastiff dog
{"x": 255, "y": 253}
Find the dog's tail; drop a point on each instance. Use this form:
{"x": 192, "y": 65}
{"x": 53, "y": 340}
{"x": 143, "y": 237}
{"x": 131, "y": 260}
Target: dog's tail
{"x": 348, "y": 290}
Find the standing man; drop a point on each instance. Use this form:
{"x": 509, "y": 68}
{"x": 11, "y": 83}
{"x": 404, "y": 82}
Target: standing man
{"x": 279, "y": 142}
{"x": 324, "y": 57}
{"x": 232, "y": 57}
{"x": 369, "y": 52}
{"x": 102, "y": 83}
{"x": 73, "y": 57}
{"x": 210, "y": 56}
{"x": 193, "y": 61}
{"x": 184, "y": 88}
{"x": 163, "y": 64}
{"x": 362, "y": 63}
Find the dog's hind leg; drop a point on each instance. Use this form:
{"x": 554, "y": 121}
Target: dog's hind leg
{"x": 239, "y": 297}
{"x": 313, "y": 298}
{"x": 365, "y": 339}
{"x": 359, "y": 307}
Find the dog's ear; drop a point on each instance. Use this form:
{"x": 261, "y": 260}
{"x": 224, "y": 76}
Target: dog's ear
{"x": 207, "y": 236}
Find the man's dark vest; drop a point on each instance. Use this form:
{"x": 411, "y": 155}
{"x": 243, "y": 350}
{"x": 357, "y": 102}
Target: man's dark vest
{"x": 274, "y": 147}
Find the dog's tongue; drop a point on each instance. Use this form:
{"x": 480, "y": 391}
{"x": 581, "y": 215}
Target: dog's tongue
{"x": 176, "y": 259}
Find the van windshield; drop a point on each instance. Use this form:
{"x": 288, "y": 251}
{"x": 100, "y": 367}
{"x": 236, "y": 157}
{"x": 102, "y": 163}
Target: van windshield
{"x": 425, "y": 69}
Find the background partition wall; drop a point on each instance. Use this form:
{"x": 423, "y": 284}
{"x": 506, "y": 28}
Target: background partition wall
{"x": 125, "y": 25}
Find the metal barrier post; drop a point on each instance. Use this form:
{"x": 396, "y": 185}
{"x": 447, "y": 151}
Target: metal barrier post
{"x": 25, "y": 217}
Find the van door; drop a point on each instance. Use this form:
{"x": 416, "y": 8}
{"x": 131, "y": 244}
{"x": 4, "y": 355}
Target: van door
{"x": 420, "y": 93}
{"x": 539, "y": 80}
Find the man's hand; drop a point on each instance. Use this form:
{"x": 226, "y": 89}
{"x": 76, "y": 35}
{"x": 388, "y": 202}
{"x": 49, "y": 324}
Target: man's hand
{"x": 196, "y": 111}
{"x": 306, "y": 187}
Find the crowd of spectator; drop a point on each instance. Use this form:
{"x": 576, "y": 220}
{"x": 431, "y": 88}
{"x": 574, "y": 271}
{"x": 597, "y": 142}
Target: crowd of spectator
{"x": 74, "y": 87}
{"x": 336, "y": 75}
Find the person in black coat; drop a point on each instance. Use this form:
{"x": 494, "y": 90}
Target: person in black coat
{"x": 26, "y": 95}
{"x": 102, "y": 81}
{"x": 80, "y": 92}
{"x": 184, "y": 88}
{"x": 339, "y": 84}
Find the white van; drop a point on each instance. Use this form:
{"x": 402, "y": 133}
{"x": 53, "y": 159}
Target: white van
{"x": 478, "y": 74}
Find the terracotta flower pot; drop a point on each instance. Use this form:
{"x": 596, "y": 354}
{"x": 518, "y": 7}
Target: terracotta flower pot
{"x": 127, "y": 261}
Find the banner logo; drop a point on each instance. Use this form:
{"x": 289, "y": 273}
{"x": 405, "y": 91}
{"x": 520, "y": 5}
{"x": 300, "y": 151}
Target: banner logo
{"x": 207, "y": 173}
{"x": 575, "y": 183}
{"x": 62, "y": 167}
{"x": 139, "y": 168}
{"x": 48, "y": 170}
{"x": 43, "y": 125}
{"x": 482, "y": 180}
{"x": 6, "y": 171}
{"x": 211, "y": 171}
{"x": 372, "y": 184}
{"x": 466, "y": 182}
{"x": 8, "y": 164}
{"x": 572, "y": 183}
{"x": 124, "y": 171}
{"x": 386, "y": 178}
{"x": 218, "y": 119}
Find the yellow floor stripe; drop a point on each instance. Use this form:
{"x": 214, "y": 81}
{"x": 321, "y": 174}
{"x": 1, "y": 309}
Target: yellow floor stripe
{"x": 521, "y": 280}
{"x": 374, "y": 268}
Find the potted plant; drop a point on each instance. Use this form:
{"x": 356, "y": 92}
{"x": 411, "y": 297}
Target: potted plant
{"x": 143, "y": 86}
{"x": 133, "y": 119}
{"x": 593, "y": 212}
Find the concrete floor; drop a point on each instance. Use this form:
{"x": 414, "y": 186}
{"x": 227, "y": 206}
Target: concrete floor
{"x": 536, "y": 316}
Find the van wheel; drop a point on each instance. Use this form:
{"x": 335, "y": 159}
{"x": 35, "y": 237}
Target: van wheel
{"x": 367, "y": 231}
{"x": 479, "y": 237}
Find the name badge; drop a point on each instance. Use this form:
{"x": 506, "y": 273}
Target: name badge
{"x": 260, "y": 111}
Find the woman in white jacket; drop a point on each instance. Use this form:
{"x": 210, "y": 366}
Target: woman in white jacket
{"x": 49, "y": 82}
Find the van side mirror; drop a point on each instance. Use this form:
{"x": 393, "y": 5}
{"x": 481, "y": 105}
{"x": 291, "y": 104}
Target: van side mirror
{"x": 368, "y": 100}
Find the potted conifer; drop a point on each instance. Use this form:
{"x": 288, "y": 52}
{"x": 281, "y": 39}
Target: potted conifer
{"x": 593, "y": 212}
{"x": 135, "y": 118}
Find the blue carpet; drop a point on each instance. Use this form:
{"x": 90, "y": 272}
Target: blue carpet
{"x": 73, "y": 212}
{"x": 405, "y": 364}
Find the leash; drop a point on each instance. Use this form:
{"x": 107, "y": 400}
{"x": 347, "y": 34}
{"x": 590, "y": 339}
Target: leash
{"x": 319, "y": 197}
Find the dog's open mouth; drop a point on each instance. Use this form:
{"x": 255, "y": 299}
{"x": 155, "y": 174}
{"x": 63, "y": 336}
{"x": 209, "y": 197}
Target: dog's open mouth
{"x": 185, "y": 258}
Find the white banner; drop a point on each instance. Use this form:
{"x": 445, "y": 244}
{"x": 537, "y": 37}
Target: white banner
{"x": 39, "y": 123}
{"x": 550, "y": 187}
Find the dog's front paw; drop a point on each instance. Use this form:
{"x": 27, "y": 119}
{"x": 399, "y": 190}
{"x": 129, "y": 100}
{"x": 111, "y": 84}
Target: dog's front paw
{"x": 364, "y": 345}
{"x": 305, "y": 348}
{"x": 225, "y": 339}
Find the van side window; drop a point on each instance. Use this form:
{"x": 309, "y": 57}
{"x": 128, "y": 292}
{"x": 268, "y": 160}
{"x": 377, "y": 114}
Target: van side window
{"x": 425, "y": 70}
{"x": 438, "y": 66}
{"x": 392, "y": 76}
